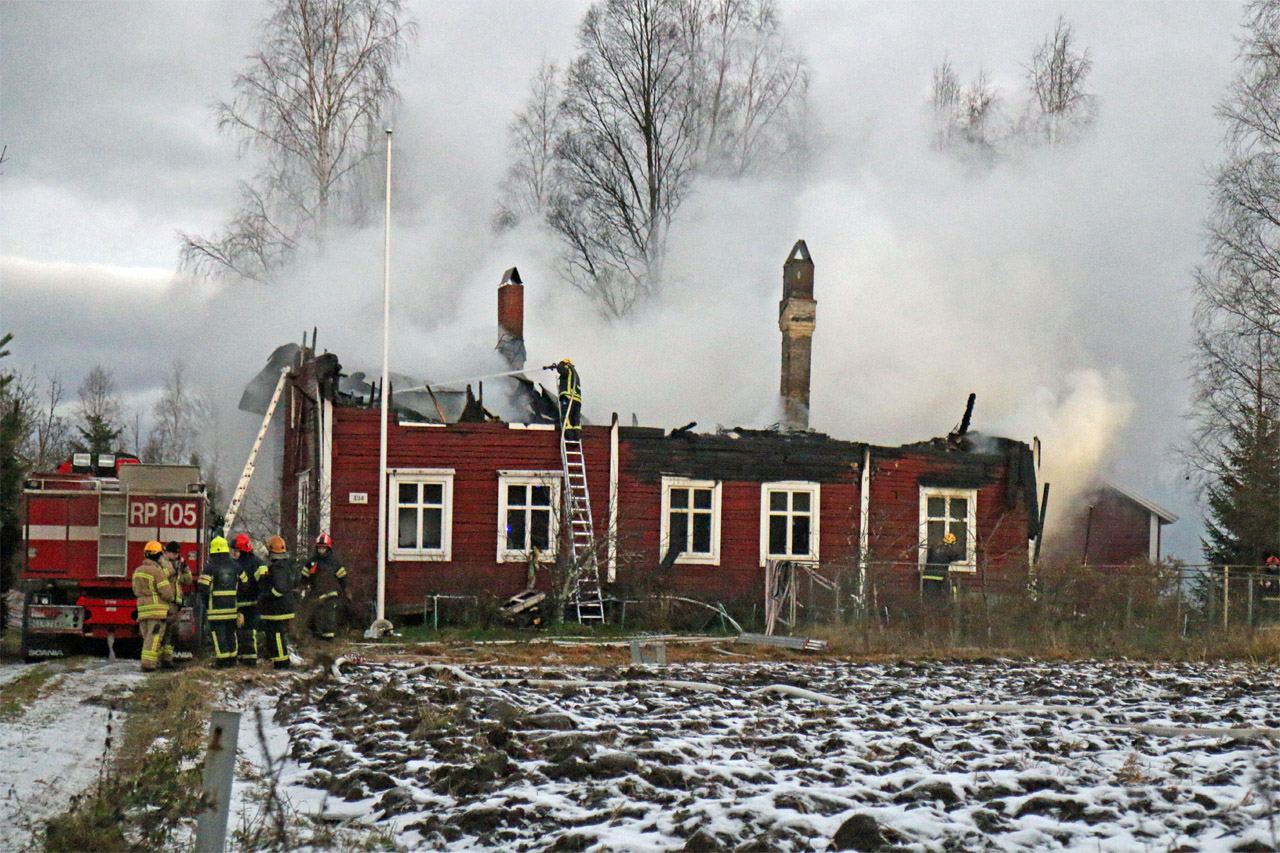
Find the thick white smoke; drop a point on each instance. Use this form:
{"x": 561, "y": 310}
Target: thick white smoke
{"x": 1052, "y": 286}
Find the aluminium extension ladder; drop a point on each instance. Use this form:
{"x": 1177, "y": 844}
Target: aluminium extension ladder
{"x": 587, "y": 595}
{"x": 242, "y": 487}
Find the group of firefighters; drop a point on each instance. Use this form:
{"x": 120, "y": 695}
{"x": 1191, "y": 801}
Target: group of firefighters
{"x": 243, "y": 597}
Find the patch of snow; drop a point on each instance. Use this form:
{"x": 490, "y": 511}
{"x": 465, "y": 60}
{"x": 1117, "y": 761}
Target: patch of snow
{"x": 941, "y": 755}
{"x": 55, "y": 749}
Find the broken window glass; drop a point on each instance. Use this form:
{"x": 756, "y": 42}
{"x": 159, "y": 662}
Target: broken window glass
{"x": 527, "y": 524}
{"x": 408, "y": 528}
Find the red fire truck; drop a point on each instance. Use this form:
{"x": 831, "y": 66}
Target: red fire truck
{"x": 85, "y": 528}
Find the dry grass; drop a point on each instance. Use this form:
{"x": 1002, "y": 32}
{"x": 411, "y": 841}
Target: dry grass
{"x": 19, "y": 693}
{"x": 151, "y": 783}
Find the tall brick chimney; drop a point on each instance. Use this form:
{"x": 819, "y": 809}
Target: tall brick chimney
{"x": 797, "y": 315}
{"x": 511, "y": 319}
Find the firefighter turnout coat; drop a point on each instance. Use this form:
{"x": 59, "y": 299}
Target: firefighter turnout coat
{"x": 276, "y": 589}
{"x": 153, "y": 589}
{"x": 326, "y": 575}
{"x": 220, "y": 580}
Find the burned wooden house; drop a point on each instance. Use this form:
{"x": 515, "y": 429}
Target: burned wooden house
{"x": 475, "y": 501}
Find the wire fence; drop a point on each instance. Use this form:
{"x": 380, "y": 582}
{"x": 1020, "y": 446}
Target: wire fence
{"x": 1125, "y": 601}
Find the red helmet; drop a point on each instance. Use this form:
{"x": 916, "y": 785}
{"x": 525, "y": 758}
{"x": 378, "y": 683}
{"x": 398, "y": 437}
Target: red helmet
{"x": 323, "y": 539}
{"x": 243, "y": 543}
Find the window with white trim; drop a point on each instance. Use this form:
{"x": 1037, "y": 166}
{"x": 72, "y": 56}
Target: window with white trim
{"x": 421, "y": 517}
{"x": 789, "y": 513}
{"x": 528, "y": 514}
{"x": 690, "y": 520}
{"x": 954, "y": 511}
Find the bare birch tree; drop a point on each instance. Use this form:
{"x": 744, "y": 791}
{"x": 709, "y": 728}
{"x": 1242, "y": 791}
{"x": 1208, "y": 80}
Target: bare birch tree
{"x": 527, "y": 186}
{"x": 1236, "y": 358}
{"x": 179, "y": 419}
{"x": 313, "y": 103}
{"x": 661, "y": 91}
{"x": 753, "y": 90}
{"x": 627, "y": 155}
{"x": 977, "y": 122}
{"x": 1063, "y": 106}
{"x": 968, "y": 120}
{"x": 49, "y": 440}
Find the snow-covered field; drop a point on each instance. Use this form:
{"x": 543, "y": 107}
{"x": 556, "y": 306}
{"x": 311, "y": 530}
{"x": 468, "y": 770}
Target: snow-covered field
{"x": 54, "y": 748}
{"x": 993, "y": 755}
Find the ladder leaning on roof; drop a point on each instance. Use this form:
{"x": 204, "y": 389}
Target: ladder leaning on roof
{"x": 242, "y": 487}
{"x": 585, "y": 578}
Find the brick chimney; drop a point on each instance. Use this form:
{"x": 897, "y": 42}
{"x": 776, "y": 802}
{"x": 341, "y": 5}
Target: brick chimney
{"x": 511, "y": 319}
{"x": 797, "y": 313}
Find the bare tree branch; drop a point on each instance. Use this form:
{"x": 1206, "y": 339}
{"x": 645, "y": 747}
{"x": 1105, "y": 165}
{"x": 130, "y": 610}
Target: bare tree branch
{"x": 313, "y": 102}
{"x": 661, "y": 92}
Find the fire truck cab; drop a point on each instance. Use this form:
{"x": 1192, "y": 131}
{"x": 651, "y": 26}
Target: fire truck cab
{"x": 84, "y": 531}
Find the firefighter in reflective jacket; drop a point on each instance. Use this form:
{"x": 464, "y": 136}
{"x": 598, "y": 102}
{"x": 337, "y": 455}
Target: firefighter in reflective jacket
{"x": 327, "y": 580}
{"x": 935, "y": 580}
{"x": 251, "y": 572}
{"x": 570, "y": 398}
{"x": 154, "y": 591}
{"x": 179, "y": 575}
{"x": 1269, "y": 588}
{"x": 276, "y": 602}
{"x": 219, "y": 583}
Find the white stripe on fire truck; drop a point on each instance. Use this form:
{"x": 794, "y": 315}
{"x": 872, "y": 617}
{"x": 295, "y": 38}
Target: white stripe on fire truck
{"x": 62, "y": 532}
{"x": 162, "y": 534}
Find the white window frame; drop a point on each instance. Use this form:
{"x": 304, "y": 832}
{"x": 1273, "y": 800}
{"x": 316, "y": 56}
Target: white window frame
{"x": 555, "y": 480}
{"x": 664, "y": 534}
{"x": 970, "y": 563}
{"x": 815, "y": 516}
{"x": 399, "y": 476}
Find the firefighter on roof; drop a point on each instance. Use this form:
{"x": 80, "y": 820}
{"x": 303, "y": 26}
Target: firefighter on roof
{"x": 276, "y": 602}
{"x": 252, "y": 570}
{"x": 179, "y": 575}
{"x": 154, "y": 591}
{"x": 570, "y": 398}
{"x": 327, "y": 580}
{"x": 219, "y": 583}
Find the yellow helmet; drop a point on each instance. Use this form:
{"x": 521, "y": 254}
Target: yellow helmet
{"x": 567, "y": 361}
{"x": 152, "y": 548}
{"x": 218, "y": 545}
{"x": 950, "y": 539}
{"x": 275, "y": 545}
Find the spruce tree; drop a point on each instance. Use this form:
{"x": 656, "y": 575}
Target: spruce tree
{"x": 1243, "y": 521}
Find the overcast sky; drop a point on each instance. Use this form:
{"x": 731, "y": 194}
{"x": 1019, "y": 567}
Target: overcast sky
{"x": 1055, "y": 285}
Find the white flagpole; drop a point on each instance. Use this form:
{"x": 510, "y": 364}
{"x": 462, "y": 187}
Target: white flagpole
{"x": 380, "y": 625}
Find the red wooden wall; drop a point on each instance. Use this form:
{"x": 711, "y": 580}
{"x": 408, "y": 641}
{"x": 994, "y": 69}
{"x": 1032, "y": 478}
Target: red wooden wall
{"x": 477, "y": 452}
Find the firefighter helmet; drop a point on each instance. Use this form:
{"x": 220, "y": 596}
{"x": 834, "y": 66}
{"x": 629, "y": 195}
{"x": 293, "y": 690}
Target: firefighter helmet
{"x": 275, "y": 545}
{"x": 323, "y": 540}
{"x": 567, "y": 361}
{"x": 243, "y": 543}
{"x": 950, "y": 539}
{"x": 218, "y": 545}
{"x": 152, "y": 548}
